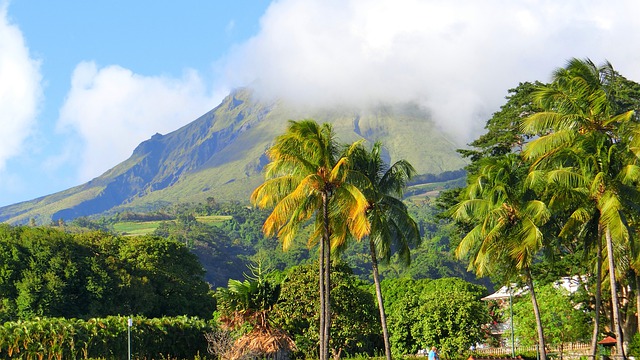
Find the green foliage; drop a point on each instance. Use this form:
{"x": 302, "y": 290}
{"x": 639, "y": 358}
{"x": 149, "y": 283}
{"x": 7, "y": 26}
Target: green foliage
{"x": 58, "y": 338}
{"x": 446, "y": 313}
{"x": 256, "y": 294}
{"x": 432, "y": 259}
{"x": 166, "y": 279}
{"x": 401, "y": 297}
{"x": 504, "y": 134}
{"x": 355, "y": 324}
{"x": 634, "y": 346}
{"x": 562, "y": 321}
{"x": 216, "y": 247}
{"x": 452, "y": 316}
{"x": 45, "y": 272}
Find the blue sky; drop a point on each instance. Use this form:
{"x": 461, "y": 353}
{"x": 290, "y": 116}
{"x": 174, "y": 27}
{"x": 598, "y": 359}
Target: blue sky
{"x": 82, "y": 83}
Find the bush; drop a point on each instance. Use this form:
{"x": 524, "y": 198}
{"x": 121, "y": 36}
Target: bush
{"x": 634, "y": 346}
{"x": 174, "y": 338}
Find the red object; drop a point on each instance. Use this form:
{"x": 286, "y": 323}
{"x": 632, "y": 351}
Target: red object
{"x": 608, "y": 341}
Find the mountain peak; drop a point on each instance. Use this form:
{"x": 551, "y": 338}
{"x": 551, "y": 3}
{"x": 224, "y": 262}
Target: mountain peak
{"x": 222, "y": 153}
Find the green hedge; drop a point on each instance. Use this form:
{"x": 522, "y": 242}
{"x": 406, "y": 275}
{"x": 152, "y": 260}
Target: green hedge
{"x": 58, "y": 338}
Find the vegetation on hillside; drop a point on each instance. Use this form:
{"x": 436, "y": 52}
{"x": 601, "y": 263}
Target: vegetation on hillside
{"x": 46, "y": 272}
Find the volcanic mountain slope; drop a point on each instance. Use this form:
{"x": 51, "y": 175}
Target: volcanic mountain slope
{"x": 221, "y": 155}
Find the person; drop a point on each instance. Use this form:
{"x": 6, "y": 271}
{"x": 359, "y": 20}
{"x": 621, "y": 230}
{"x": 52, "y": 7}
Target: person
{"x": 433, "y": 354}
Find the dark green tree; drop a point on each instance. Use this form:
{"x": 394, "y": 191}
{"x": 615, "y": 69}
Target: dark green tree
{"x": 166, "y": 278}
{"x": 355, "y": 324}
{"x": 47, "y": 272}
{"x": 563, "y": 321}
{"x": 452, "y": 316}
{"x": 504, "y": 134}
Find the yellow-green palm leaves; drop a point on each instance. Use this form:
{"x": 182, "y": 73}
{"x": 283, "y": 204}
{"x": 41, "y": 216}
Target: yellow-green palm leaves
{"x": 306, "y": 170}
{"x": 308, "y": 176}
{"x": 506, "y": 220}
{"x": 504, "y": 215}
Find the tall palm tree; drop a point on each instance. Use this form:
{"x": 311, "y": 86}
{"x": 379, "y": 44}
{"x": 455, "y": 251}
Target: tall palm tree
{"x": 391, "y": 225}
{"x": 305, "y": 178}
{"x": 506, "y": 219}
{"x": 583, "y": 132}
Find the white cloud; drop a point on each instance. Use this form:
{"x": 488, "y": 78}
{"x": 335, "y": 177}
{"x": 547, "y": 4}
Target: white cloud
{"x": 113, "y": 109}
{"x": 20, "y": 89}
{"x": 458, "y": 57}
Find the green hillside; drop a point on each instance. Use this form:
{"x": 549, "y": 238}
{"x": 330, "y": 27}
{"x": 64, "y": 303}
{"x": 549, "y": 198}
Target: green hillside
{"x": 221, "y": 155}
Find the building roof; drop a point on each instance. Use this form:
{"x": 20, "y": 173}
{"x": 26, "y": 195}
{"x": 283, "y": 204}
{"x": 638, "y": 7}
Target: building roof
{"x": 503, "y": 292}
{"x": 608, "y": 341}
{"x": 571, "y": 284}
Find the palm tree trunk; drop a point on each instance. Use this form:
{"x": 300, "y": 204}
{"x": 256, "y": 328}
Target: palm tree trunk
{"x": 322, "y": 302}
{"x": 614, "y": 297}
{"x": 541, "y": 343}
{"x": 383, "y": 317}
{"x": 637, "y": 297}
{"x": 596, "y": 317}
{"x": 326, "y": 280}
{"x": 327, "y": 294}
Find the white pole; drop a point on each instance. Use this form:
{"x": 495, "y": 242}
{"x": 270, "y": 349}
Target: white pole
{"x": 129, "y": 323}
{"x": 513, "y": 346}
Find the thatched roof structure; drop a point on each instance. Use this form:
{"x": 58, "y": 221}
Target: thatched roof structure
{"x": 263, "y": 342}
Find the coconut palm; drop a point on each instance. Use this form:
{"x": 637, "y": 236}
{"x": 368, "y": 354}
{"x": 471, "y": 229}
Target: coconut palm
{"x": 305, "y": 178}
{"x": 506, "y": 220}
{"x": 391, "y": 225}
{"x": 593, "y": 145}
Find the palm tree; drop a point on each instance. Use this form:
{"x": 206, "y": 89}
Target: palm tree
{"x": 595, "y": 145}
{"x": 305, "y": 178}
{"x": 506, "y": 220}
{"x": 391, "y": 225}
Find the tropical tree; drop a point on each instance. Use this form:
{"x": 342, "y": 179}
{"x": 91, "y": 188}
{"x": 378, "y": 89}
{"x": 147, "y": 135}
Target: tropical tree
{"x": 250, "y": 302}
{"x": 391, "y": 225}
{"x": 403, "y": 306}
{"x": 588, "y": 142}
{"x": 354, "y": 327}
{"x": 307, "y": 177}
{"x": 451, "y": 316}
{"x": 506, "y": 217}
{"x": 504, "y": 134}
{"x": 563, "y": 320}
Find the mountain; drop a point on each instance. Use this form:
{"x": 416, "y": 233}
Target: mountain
{"x": 221, "y": 155}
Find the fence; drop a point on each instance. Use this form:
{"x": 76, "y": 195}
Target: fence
{"x": 568, "y": 350}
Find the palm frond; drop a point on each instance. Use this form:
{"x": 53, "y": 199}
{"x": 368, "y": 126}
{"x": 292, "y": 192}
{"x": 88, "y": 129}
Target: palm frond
{"x": 567, "y": 177}
{"x": 630, "y": 174}
{"x": 611, "y": 216}
{"x": 548, "y": 144}
{"x": 530, "y": 242}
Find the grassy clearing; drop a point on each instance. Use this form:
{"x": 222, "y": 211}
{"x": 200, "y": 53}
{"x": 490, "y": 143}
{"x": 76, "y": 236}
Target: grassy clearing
{"x": 211, "y": 219}
{"x": 138, "y": 228}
